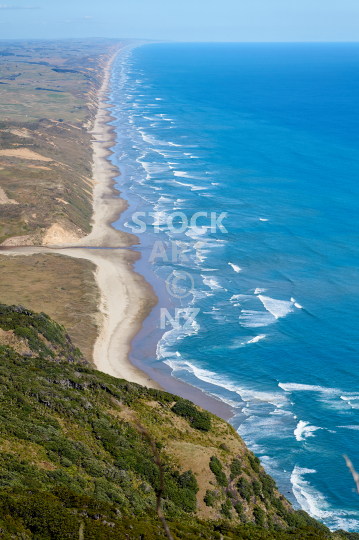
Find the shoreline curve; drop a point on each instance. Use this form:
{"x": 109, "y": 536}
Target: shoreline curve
{"x": 126, "y": 297}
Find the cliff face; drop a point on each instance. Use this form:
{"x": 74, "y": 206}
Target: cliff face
{"x": 76, "y": 455}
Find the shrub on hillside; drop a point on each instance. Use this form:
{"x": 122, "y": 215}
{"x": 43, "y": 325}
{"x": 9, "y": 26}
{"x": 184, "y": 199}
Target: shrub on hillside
{"x": 244, "y": 489}
{"x": 256, "y": 488}
{"x": 216, "y": 467}
{"x": 188, "y": 480}
{"x": 259, "y": 515}
{"x": 254, "y": 462}
{"x": 198, "y": 419}
{"x": 268, "y": 485}
{"x": 210, "y": 498}
{"x": 239, "y": 509}
{"x": 226, "y": 509}
{"x": 236, "y": 468}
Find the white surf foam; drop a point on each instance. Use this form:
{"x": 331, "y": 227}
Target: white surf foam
{"x": 297, "y": 387}
{"x": 255, "y": 397}
{"x": 259, "y": 290}
{"x": 192, "y": 186}
{"x": 307, "y": 497}
{"x": 296, "y": 303}
{"x": 278, "y": 308}
{"x": 353, "y": 405}
{"x": 256, "y": 339}
{"x": 175, "y": 334}
{"x": 272, "y": 426}
{"x": 246, "y": 394}
{"x": 236, "y": 297}
{"x": 235, "y": 267}
{"x": 304, "y": 430}
{"x": 211, "y": 282}
{"x": 236, "y": 344}
{"x": 313, "y": 501}
{"x": 202, "y": 374}
{"x": 255, "y": 319}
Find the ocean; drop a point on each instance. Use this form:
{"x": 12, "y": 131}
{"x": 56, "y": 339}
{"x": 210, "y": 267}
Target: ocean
{"x": 240, "y": 166}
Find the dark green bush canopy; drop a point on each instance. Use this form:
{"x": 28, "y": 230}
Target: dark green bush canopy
{"x": 216, "y": 467}
{"x": 198, "y": 419}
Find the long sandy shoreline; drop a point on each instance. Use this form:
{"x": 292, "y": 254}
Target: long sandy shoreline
{"x": 126, "y": 297}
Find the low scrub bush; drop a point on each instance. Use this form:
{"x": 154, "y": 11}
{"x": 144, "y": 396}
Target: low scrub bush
{"x": 226, "y": 509}
{"x": 236, "y": 468}
{"x": 254, "y": 462}
{"x": 259, "y": 516}
{"x": 216, "y": 467}
{"x": 244, "y": 489}
{"x": 198, "y": 419}
{"x": 210, "y": 498}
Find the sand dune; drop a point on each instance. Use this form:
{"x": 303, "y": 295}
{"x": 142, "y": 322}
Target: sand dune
{"x": 24, "y": 153}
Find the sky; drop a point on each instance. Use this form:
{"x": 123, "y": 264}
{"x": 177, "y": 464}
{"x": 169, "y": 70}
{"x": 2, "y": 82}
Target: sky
{"x": 182, "y": 20}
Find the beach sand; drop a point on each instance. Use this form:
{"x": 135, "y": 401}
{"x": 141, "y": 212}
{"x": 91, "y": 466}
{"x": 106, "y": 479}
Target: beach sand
{"x": 126, "y": 301}
{"x": 126, "y": 297}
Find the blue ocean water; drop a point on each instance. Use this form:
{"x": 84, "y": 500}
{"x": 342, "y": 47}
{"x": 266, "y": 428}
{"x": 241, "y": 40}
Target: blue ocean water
{"x": 268, "y": 134}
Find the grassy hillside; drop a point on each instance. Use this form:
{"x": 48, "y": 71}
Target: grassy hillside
{"x": 61, "y": 286}
{"x": 76, "y": 459}
{"x": 48, "y": 95}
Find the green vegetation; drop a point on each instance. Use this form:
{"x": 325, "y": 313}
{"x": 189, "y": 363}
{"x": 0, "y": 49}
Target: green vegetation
{"x": 48, "y": 104}
{"x": 244, "y": 489}
{"x": 254, "y": 462}
{"x": 226, "y": 509}
{"x": 236, "y": 468}
{"x": 259, "y": 516}
{"x": 37, "y": 282}
{"x": 216, "y": 467}
{"x": 257, "y": 488}
{"x": 73, "y": 463}
{"x": 210, "y": 497}
{"x": 240, "y": 511}
{"x": 44, "y": 337}
{"x": 198, "y": 419}
{"x": 348, "y": 535}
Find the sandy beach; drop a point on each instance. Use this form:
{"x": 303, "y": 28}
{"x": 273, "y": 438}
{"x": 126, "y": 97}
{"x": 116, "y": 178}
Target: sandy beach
{"x": 126, "y": 297}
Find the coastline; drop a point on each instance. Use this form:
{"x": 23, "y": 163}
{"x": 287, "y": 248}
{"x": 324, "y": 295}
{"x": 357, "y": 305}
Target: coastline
{"x": 126, "y": 297}
{"x": 108, "y": 206}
